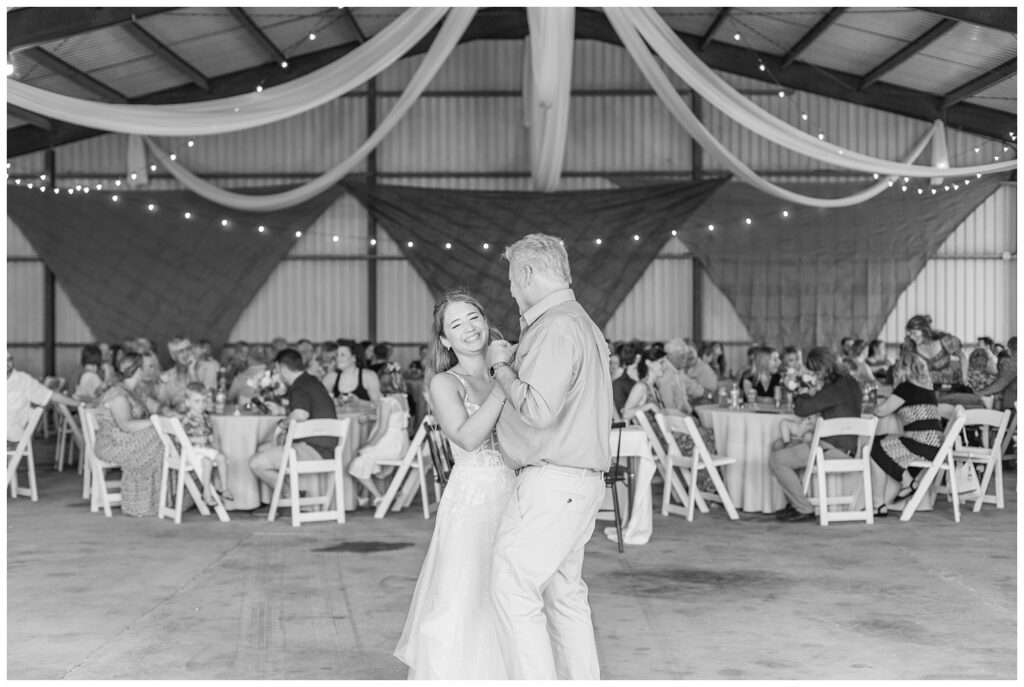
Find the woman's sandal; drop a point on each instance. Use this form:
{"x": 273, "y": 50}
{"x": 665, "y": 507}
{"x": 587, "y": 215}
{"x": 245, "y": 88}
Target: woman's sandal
{"x": 881, "y": 511}
{"x": 226, "y": 495}
{"x": 905, "y": 493}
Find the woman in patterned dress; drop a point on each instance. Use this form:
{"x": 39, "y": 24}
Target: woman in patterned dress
{"x": 126, "y": 437}
{"x": 913, "y": 400}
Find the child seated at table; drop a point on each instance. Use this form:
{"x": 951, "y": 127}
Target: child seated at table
{"x": 199, "y": 429}
{"x": 793, "y": 432}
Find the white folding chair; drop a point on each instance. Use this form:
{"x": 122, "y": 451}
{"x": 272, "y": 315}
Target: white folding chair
{"x": 405, "y": 481}
{"x": 50, "y": 421}
{"x": 23, "y": 451}
{"x": 69, "y": 437}
{"x": 102, "y": 492}
{"x": 989, "y": 455}
{"x": 864, "y": 429}
{"x": 646, "y": 418}
{"x": 690, "y": 466}
{"x": 293, "y": 468}
{"x": 943, "y": 461}
{"x": 184, "y": 458}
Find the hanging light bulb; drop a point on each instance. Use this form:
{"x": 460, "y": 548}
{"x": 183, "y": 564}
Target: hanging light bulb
{"x": 42, "y": 189}
{"x": 188, "y": 215}
{"x": 117, "y": 182}
{"x": 30, "y": 184}
{"x": 748, "y": 221}
{"x": 335, "y": 238}
{"x": 967, "y": 182}
{"x": 71, "y": 191}
{"x": 134, "y": 176}
{"x": 409, "y": 244}
{"x": 636, "y": 237}
{"x": 890, "y": 183}
{"x": 259, "y": 88}
{"x": 785, "y": 213}
{"x": 373, "y": 242}
{"x": 761, "y": 67}
{"x": 17, "y": 182}
{"x": 934, "y": 192}
{"x": 224, "y": 222}
{"x": 56, "y": 190}
{"x": 152, "y": 168}
{"x": 903, "y": 188}
{"x": 803, "y": 116}
{"x": 173, "y": 157}
{"x": 487, "y": 246}
{"x": 597, "y": 241}
{"x": 191, "y": 143}
{"x": 946, "y": 187}
{"x": 298, "y": 234}
{"x": 735, "y": 36}
{"x": 782, "y": 94}
{"x": 42, "y": 177}
{"x": 874, "y": 176}
{"x": 996, "y": 158}
{"x": 113, "y": 197}
{"x": 99, "y": 187}
{"x": 78, "y": 187}
{"x": 979, "y": 175}
{"x": 312, "y": 36}
{"x": 920, "y": 191}
{"x": 151, "y": 207}
{"x": 711, "y": 227}
{"x": 447, "y": 245}
{"x": 674, "y": 232}
{"x": 821, "y": 135}
{"x": 85, "y": 190}
{"x": 977, "y": 149}
{"x": 906, "y": 180}
{"x": 955, "y": 187}
{"x": 261, "y": 228}
{"x": 284, "y": 64}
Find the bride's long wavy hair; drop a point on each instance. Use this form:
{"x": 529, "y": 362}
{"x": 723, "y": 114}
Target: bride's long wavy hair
{"x": 442, "y": 358}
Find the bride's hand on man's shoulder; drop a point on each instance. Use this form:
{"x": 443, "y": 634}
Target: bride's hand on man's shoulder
{"x": 499, "y": 351}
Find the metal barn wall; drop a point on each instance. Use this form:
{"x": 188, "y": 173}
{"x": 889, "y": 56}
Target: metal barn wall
{"x": 468, "y": 132}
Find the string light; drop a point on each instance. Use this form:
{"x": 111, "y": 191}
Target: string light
{"x": 748, "y": 221}
{"x": 134, "y": 176}
{"x": 99, "y": 187}
{"x": 597, "y": 241}
{"x": 152, "y": 168}
{"x": 188, "y": 215}
{"x": 42, "y": 177}
{"x": 967, "y": 182}
{"x": 173, "y": 157}
{"x": 284, "y": 64}
{"x": 735, "y": 36}
{"x": 113, "y": 197}
{"x": 711, "y": 227}
{"x": 71, "y": 191}
{"x": 78, "y": 187}
{"x": 977, "y": 149}
{"x": 259, "y": 88}
{"x": 903, "y": 188}
{"x": 30, "y": 184}
{"x": 782, "y": 94}
{"x": 920, "y": 191}
{"x": 56, "y": 190}
{"x": 785, "y": 213}
{"x": 191, "y": 143}
{"x": 409, "y": 244}
{"x": 312, "y": 36}
{"x": 636, "y": 237}
{"x": 18, "y": 182}
{"x": 803, "y": 116}
{"x": 335, "y": 238}
{"x": 117, "y": 182}
{"x": 373, "y": 242}
{"x": 934, "y": 192}
{"x": 85, "y": 190}
{"x": 223, "y": 222}
{"x": 298, "y": 234}
{"x": 979, "y": 175}
{"x": 875, "y": 177}
{"x": 261, "y": 228}
{"x": 821, "y": 135}
{"x": 487, "y": 246}
{"x": 761, "y": 67}
{"x": 151, "y": 207}
{"x": 674, "y": 232}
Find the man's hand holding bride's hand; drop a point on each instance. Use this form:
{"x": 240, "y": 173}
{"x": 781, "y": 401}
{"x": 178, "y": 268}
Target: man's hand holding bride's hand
{"x": 500, "y": 351}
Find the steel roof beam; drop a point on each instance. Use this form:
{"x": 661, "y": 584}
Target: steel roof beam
{"x": 354, "y": 24}
{"x": 811, "y": 36}
{"x": 723, "y": 14}
{"x": 167, "y": 55}
{"x": 55, "y": 64}
{"x": 33, "y": 119}
{"x": 1000, "y": 73}
{"x": 911, "y": 49}
{"x": 257, "y": 34}
{"x": 35, "y": 25}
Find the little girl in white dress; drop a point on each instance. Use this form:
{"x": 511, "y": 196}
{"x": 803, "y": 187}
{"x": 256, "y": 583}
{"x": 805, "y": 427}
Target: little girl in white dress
{"x": 389, "y": 440}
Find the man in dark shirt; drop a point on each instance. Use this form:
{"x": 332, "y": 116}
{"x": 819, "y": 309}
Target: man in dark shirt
{"x": 839, "y": 396}
{"x": 307, "y": 400}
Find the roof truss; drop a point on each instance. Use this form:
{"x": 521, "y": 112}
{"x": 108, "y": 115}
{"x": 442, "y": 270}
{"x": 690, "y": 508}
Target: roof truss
{"x": 919, "y": 44}
{"x": 267, "y": 45}
{"x": 812, "y": 35}
{"x": 167, "y": 55}
{"x": 59, "y": 66}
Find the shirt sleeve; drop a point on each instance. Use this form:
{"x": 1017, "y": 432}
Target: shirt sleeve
{"x": 1006, "y": 374}
{"x": 38, "y": 393}
{"x": 545, "y": 374}
{"x": 805, "y": 405}
{"x": 299, "y": 399}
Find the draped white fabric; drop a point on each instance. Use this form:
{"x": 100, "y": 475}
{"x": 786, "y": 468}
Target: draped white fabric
{"x": 679, "y": 109}
{"x": 242, "y": 111}
{"x": 135, "y": 159}
{"x": 547, "y": 82}
{"x": 670, "y": 48}
{"x": 451, "y": 31}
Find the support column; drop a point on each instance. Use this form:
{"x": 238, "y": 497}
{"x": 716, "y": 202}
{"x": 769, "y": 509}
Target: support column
{"x": 371, "y": 222}
{"x": 50, "y": 288}
{"x": 697, "y": 293}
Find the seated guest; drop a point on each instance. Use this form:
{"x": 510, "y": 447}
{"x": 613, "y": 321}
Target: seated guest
{"x": 846, "y": 346}
{"x": 307, "y": 400}
{"x": 177, "y": 377}
{"x": 714, "y": 355}
{"x": 857, "y": 362}
{"x": 24, "y": 391}
{"x": 1004, "y": 386}
{"x": 978, "y": 375}
{"x": 352, "y": 382}
{"x": 278, "y": 344}
{"x": 764, "y": 375}
{"x": 126, "y": 437}
{"x": 388, "y": 440}
{"x": 206, "y": 368}
{"x": 839, "y": 396}
{"x": 90, "y": 381}
{"x": 748, "y": 371}
{"x": 381, "y": 357}
{"x": 241, "y": 390}
{"x": 677, "y": 387}
{"x": 986, "y": 344}
{"x": 652, "y": 367}
{"x": 153, "y": 390}
{"x": 629, "y": 356}
{"x": 914, "y": 401}
{"x": 877, "y": 360}
{"x": 107, "y": 351}
{"x": 326, "y": 358}
{"x": 306, "y": 349}
{"x": 417, "y": 367}
{"x": 621, "y": 383}
{"x": 792, "y": 360}
{"x": 701, "y": 373}
{"x": 144, "y": 345}
{"x": 226, "y": 359}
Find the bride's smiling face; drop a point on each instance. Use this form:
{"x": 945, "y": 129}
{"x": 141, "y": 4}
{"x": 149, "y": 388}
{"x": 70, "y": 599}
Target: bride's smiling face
{"x": 465, "y": 329}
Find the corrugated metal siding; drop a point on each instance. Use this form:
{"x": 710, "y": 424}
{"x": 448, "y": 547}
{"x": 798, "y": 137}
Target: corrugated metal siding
{"x": 404, "y": 304}
{"x": 318, "y": 300}
{"x": 29, "y": 360}
{"x": 989, "y": 230}
{"x": 660, "y": 305}
{"x": 25, "y": 302}
{"x": 1002, "y": 96}
{"x": 479, "y": 65}
{"x": 628, "y": 133}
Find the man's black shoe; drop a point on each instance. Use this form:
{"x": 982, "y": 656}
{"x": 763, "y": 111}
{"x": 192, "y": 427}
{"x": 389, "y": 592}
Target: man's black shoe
{"x": 797, "y": 516}
{"x": 260, "y": 512}
{"x": 786, "y": 512}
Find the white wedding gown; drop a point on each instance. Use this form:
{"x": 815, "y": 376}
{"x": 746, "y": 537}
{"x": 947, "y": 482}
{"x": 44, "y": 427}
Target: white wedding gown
{"x": 450, "y": 632}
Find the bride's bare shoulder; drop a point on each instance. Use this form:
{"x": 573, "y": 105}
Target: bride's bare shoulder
{"x": 445, "y": 384}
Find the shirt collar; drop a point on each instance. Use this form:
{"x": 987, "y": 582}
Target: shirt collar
{"x": 549, "y": 301}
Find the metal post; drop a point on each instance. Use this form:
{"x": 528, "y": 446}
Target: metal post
{"x": 371, "y": 222}
{"x": 50, "y": 289}
{"x": 697, "y": 161}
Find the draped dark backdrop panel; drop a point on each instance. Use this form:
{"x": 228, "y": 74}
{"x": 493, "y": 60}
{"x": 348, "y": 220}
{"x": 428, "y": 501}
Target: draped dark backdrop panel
{"x": 132, "y": 272}
{"x": 822, "y": 274}
{"x": 602, "y": 274}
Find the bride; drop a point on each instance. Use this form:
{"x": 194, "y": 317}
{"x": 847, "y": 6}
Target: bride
{"x": 450, "y": 631}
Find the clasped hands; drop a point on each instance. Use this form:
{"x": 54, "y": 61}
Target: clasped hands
{"x": 500, "y": 351}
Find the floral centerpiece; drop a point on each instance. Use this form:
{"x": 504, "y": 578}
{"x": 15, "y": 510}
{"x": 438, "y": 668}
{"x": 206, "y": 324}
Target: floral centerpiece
{"x": 801, "y": 381}
{"x": 267, "y": 388}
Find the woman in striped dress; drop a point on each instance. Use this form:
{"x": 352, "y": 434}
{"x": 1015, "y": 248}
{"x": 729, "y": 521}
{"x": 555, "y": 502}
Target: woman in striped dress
{"x": 913, "y": 400}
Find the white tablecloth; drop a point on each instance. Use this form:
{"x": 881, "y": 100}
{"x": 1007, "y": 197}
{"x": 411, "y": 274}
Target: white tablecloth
{"x": 639, "y": 524}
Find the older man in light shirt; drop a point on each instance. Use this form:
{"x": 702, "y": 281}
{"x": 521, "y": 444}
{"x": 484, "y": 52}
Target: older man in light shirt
{"x": 23, "y": 392}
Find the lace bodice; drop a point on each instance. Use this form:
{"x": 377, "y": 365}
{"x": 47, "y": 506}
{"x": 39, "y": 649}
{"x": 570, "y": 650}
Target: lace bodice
{"x": 484, "y": 455}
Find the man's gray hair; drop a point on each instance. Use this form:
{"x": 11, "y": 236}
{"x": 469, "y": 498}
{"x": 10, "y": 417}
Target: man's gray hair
{"x": 676, "y": 346}
{"x": 545, "y": 254}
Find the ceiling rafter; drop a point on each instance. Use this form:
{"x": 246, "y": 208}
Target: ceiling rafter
{"x": 33, "y": 119}
{"x": 808, "y": 38}
{"x": 257, "y": 34}
{"x": 172, "y": 58}
{"x": 911, "y": 49}
{"x": 510, "y": 23}
{"x": 35, "y": 25}
{"x": 1000, "y": 73}
{"x": 354, "y": 24}
{"x": 723, "y": 14}
{"x": 1001, "y": 18}
{"x": 55, "y": 64}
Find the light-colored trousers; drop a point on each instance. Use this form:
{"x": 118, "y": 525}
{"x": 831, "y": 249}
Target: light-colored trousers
{"x": 537, "y": 576}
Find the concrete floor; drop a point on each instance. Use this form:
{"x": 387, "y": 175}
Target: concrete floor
{"x": 96, "y": 598}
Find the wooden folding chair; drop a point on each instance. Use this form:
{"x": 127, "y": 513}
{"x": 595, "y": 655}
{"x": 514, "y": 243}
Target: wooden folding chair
{"x": 294, "y": 468}
{"x": 989, "y": 455}
{"x": 864, "y": 429}
{"x": 23, "y": 451}
{"x": 101, "y": 492}
{"x": 181, "y": 455}
{"x": 69, "y": 437}
{"x": 403, "y": 481}
{"x": 943, "y": 461}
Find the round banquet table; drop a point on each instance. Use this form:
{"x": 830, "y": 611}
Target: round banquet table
{"x": 240, "y": 435}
